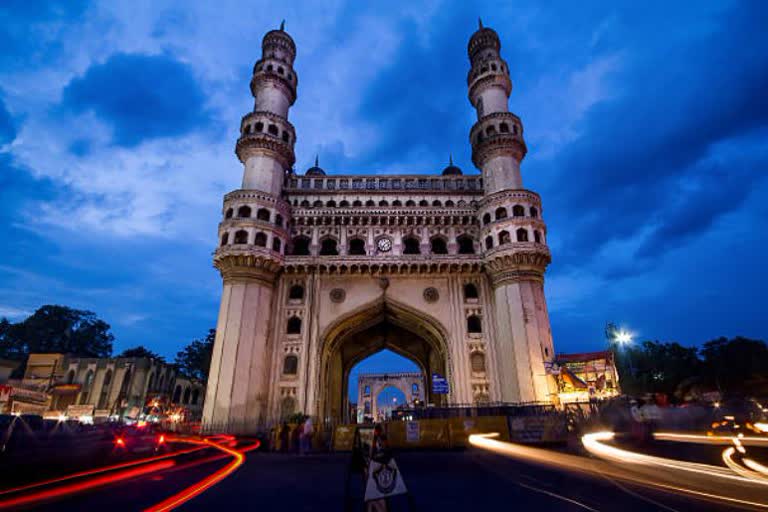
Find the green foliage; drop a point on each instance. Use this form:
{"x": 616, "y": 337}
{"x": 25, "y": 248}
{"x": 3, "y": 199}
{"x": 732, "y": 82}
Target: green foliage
{"x": 739, "y": 365}
{"x": 194, "y": 360}
{"x": 141, "y": 351}
{"x": 56, "y": 329}
{"x": 734, "y": 367}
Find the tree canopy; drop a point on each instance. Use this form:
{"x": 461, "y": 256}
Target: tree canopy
{"x": 194, "y": 360}
{"x": 141, "y": 351}
{"x": 56, "y": 329}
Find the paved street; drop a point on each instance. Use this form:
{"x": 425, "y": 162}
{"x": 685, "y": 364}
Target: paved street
{"x": 445, "y": 481}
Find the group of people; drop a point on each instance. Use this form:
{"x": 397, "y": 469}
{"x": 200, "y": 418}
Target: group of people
{"x": 297, "y": 440}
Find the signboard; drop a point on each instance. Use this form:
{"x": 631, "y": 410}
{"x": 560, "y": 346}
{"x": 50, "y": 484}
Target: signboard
{"x": 76, "y": 411}
{"x": 412, "y": 434}
{"x": 384, "y": 480}
{"x": 537, "y": 429}
{"x": 28, "y": 395}
{"x": 66, "y": 389}
{"x": 439, "y": 384}
{"x": 5, "y": 392}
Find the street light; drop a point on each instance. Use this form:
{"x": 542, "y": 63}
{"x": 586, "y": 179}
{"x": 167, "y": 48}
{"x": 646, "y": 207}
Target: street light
{"x": 622, "y": 337}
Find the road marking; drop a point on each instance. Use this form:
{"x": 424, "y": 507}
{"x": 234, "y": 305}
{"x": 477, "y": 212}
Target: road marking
{"x": 558, "y": 496}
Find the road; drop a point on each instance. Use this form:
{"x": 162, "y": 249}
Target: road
{"x": 444, "y": 481}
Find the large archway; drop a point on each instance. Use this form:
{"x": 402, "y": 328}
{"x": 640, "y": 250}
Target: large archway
{"x": 385, "y": 324}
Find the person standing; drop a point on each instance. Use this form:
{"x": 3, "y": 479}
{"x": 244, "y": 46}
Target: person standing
{"x": 306, "y": 436}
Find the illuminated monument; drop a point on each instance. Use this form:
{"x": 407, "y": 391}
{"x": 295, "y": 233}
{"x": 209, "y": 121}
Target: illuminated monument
{"x": 322, "y": 270}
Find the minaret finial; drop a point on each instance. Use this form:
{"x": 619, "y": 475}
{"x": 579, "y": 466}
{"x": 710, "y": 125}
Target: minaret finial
{"x": 450, "y": 158}
{"x": 316, "y": 161}
{"x": 282, "y": 26}
{"x": 480, "y": 23}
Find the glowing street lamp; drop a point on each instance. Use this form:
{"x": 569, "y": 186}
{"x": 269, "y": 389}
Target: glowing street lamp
{"x": 622, "y": 337}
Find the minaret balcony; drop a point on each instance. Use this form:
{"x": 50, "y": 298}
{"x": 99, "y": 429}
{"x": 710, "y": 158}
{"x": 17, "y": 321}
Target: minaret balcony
{"x": 277, "y": 73}
{"x": 499, "y": 133}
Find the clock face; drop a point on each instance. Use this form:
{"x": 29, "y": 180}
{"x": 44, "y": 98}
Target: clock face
{"x": 384, "y": 244}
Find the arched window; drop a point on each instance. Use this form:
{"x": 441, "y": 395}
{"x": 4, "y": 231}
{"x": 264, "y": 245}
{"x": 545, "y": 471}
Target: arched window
{"x": 466, "y": 244}
{"x": 423, "y": 202}
{"x": 331, "y": 204}
{"x": 504, "y": 128}
{"x": 187, "y": 395}
{"x": 477, "y": 360}
{"x": 280, "y": 69}
{"x": 357, "y": 202}
{"x": 290, "y": 365}
{"x": 491, "y": 130}
{"x": 241, "y": 237}
{"x": 357, "y": 247}
{"x": 522, "y": 235}
{"x": 518, "y": 211}
{"x": 260, "y": 239}
{"x": 534, "y": 212}
{"x": 438, "y": 245}
{"x": 296, "y": 292}
{"x": 279, "y": 220}
{"x": 370, "y": 202}
{"x": 344, "y": 204}
{"x": 486, "y": 218}
{"x": 304, "y": 204}
{"x": 276, "y": 244}
{"x": 259, "y": 126}
{"x": 501, "y": 213}
{"x": 86, "y": 389}
{"x": 244, "y": 212}
{"x": 318, "y": 204}
{"x": 195, "y": 396}
{"x": 410, "y": 202}
{"x": 300, "y": 246}
{"x": 104, "y": 397}
{"x": 328, "y": 247}
{"x": 436, "y": 203}
{"x": 246, "y": 129}
{"x": 489, "y": 242}
{"x": 537, "y": 236}
{"x": 272, "y": 129}
{"x": 293, "y": 326}
{"x": 225, "y": 239}
{"x": 474, "y": 324}
{"x": 397, "y": 202}
{"x": 449, "y": 203}
{"x": 504, "y": 237}
{"x": 383, "y": 202}
{"x": 470, "y": 291}
{"x": 286, "y": 137}
{"x": 414, "y": 389}
{"x": 230, "y": 212}
{"x": 411, "y": 246}
{"x": 176, "y": 394}
{"x": 262, "y": 214}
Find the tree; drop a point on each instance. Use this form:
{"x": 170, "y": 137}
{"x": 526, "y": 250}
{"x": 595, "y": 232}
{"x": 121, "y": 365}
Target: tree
{"x": 58, "y": 329}
{"x": 141, "y": 351}
{"x": 738, "y": 365}
{"x": 655, "y": 367}
{"x": 194, "y": 360}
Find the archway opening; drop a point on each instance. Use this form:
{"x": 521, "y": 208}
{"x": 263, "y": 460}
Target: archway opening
{"x": 368, "y": 378}
{"x": 383, "y": 325}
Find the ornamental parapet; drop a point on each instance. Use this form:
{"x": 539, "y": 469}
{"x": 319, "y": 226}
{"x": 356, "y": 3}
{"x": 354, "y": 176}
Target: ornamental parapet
{"x": 498, "y": 144}
{"x": 511, "y": 195}
{"x": 371, "y": 266}
{"x": 486, "y": 80}
{"x": 262, "y": 143}
{"x": 270, "y": 71}
{"x": 517, "y": 262}
{"x": 247, "y": 263}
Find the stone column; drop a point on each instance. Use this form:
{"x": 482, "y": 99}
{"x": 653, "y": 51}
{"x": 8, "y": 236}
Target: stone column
{"x": 520, "y": 333}
{"x": 238, "y": 383}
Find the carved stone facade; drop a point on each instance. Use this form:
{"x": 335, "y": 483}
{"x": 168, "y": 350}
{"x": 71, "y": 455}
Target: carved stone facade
{"x": 321, "y": 271}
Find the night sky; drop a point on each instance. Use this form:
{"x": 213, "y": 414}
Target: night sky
{"x": 646, "y": 124}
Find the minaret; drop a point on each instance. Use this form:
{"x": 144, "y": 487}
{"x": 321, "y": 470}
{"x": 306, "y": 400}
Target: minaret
{"x": 252, "y": 240}
{"x": 513, "y": 234}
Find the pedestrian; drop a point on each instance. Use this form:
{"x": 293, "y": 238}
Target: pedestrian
{"x": 306, "y": 436}
{"x": 285, "y": 436}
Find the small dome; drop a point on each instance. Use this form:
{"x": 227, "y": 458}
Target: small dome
{"x": 315, "y": 170}
{"x": 452, "y": 170}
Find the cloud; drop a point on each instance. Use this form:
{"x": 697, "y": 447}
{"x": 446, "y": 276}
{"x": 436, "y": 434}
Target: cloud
{"x": 141, "y": 96}
{"x": 7, "y": 126}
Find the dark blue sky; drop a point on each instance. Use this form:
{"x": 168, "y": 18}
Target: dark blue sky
{"x": 646, "y": 125}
